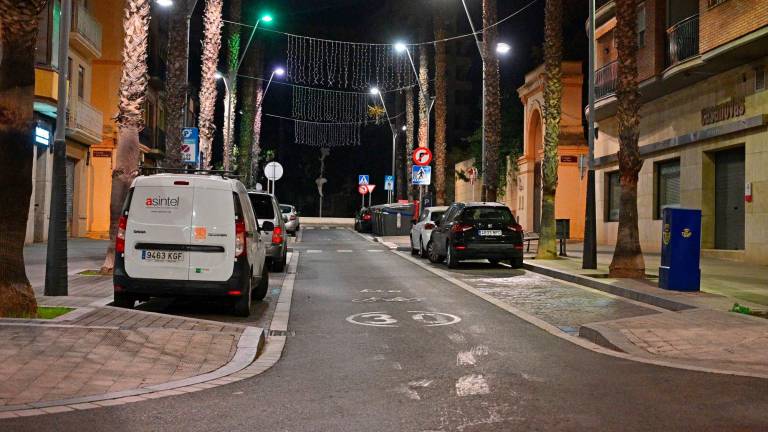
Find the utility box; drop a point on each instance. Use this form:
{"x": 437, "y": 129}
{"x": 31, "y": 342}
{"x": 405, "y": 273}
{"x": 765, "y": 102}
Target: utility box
{"x": 680, "y": 250}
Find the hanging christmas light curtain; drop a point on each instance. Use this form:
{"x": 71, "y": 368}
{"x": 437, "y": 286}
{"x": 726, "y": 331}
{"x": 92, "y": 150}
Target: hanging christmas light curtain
{"x": 327, "y": 134}
{"x": 346, "y": 65}
{"x": 329, "y": 105}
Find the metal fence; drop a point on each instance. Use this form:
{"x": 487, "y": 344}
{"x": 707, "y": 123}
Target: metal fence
{"x": 683, "y": 40}
{"x": 605, "y": 80}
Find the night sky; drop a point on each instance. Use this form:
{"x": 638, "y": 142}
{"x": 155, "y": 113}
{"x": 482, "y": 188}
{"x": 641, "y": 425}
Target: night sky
{"x": 377, "y": 22}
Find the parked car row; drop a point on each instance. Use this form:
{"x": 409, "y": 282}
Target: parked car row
{"x": 204, "y": 236}
{"x": 468, "y": 231}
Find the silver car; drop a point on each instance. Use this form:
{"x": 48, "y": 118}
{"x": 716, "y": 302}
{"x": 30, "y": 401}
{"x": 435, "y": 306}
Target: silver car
{"x": 291, "y": 218}
{"x": 422, "y": 230}
{"x": 273, "y": 231}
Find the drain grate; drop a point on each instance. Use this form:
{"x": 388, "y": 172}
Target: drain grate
{"x": 282, "y": 333}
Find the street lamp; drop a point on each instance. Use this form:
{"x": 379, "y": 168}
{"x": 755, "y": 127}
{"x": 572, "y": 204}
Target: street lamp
{"x": 503, "y": 48}
{"x": 164, "y": 3}
{"x": 376, "y": 92}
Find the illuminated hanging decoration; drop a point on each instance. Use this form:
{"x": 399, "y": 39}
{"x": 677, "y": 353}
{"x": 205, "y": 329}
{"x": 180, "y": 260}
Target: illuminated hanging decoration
{"x": 327, "y": 134}
{"x": 322, "y": 105}
{"x": 346, "y": 65}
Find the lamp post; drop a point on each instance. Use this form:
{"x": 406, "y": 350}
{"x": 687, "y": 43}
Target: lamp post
{"x": 589, "y": 256}
{"x": 375, "y": 91}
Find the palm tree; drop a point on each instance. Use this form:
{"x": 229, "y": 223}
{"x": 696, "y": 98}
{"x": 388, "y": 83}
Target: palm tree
{"x": 177, "y": 79}
{"x": 553, "y": 89}
{"x": 424, "y": 96}
{"x": 628, "y": 256}
{"x": 250, "y": 104}
{"x": 130, "y": 117}
{"x": 410, "y": 123}
{"x": 492, "y": 101}
{"x": 441, "y": 107}
{"x": 17, "y": 92}
{"x": 210, "y": 59}
{"x": 256, "y": 145}
{"x": 230, "y": 100}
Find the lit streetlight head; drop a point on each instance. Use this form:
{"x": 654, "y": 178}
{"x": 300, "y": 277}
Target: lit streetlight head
{"x": 404, "y": 128}
{"x": 218, "y": 75}
{"x": 503, "y": 48}
{"x": 164, "y": 3}
{"x": 375, "y": 91}
{"x": 400, "y": 47}
{"x": 279, "y": 71}
{"x": 266, "y": 18}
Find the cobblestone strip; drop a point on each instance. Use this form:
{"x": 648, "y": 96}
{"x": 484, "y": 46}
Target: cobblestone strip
{"x": 249, "y": 361}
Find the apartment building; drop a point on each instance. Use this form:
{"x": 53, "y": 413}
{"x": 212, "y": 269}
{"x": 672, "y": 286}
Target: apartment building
{"x": 704, "y": 122}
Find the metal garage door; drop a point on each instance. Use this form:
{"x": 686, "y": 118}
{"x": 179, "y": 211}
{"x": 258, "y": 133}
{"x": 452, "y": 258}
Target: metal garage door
{"x": 729, "y": 199}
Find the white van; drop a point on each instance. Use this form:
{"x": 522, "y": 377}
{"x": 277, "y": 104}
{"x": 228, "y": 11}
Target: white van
{"x": 189, "y": 235}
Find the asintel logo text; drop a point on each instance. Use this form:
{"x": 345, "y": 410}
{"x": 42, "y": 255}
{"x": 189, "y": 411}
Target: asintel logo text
{"x": 162, "y": 202}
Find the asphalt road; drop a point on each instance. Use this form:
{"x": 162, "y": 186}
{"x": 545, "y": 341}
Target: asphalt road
{"x": 419, "y": 369}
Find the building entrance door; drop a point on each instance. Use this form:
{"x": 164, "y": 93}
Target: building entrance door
{"x": 729, "y": 199}
{"x": 537, "y": 197}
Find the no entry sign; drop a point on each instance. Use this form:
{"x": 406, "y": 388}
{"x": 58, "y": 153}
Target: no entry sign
{"x": 422, "y": 156}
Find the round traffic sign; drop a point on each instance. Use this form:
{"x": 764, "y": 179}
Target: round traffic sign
{"x": 362, "y": 189}
{"x": 422, "y": 156}
{"x": 273, "y": 171}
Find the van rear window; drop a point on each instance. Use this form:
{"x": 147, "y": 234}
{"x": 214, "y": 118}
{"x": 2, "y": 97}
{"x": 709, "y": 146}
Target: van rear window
{"x": 262, "y": 206}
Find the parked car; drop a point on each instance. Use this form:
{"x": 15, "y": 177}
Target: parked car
{"x": 363, "y": 220}
{"x": 273, "y": 230}
{"x": 291, "y": 218}
{"x": 421, "y": 231}
{"x": 477, "y": 230}
{"x": 189, "y": 235}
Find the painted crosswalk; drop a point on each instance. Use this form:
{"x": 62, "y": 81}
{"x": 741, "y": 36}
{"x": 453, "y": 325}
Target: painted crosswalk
{"x": 317, "y": 251}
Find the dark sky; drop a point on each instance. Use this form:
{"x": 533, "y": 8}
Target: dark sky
{"x": 382, "y": 21}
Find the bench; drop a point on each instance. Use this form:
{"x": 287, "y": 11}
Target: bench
{"x": 528, "y": 238}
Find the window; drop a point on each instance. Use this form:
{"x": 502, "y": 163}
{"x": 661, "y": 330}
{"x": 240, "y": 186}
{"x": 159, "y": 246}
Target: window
{"x": 641, "y": 25}
{"x": 613, "y": 196}
{"x": 262, "y": 206}
{"x": 436, "y": 216}
{"x": 487, "y": 214}
{"x": 759, "y": 78}
{"x": 80, "y": 81}
{"x": 69, "y": 75}
{"x": 667, "y": 185}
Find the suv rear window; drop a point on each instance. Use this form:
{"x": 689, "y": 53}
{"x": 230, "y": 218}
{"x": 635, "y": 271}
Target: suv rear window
{"x": 262, "y": 206}
{"x": 285, "y": 208}
{"x": 487, "y": 214}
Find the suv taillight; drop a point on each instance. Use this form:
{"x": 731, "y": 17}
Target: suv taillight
{"x": 460, "y": 227}
{"x": 240, "y": 249}
{"x": 277, "y": 235}
{"x": 120, "y": 239}
{"x": 516, "y": 227}
{"x": 367, "y": 217}
{"x": 429, "y": 226}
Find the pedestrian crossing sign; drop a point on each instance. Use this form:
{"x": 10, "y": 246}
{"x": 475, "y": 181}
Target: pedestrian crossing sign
{"x": 363, "y": 179}
{"x": 421, "y": 175}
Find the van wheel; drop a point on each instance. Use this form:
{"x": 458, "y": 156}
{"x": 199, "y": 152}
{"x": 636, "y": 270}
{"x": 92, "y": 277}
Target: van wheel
{"x": 262, "y": 287}
{"x": 124, "y": 301}
{"x": 279, "y": 265}
{"x": 243, "y": 304}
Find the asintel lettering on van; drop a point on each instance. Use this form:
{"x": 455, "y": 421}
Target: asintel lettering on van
{"x": 161, "y": 202}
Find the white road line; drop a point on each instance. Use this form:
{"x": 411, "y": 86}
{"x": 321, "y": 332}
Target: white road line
{"x": 375, "y": 250}
{"x": 325, "y": 227}
{"x": 314, "y": 251}
{"x": 309, "y": 228}
{"x": 344, "y": 251}
{"x": 470, "y": 385}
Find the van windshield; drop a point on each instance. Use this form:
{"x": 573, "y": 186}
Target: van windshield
{"x": 262, "y": 206}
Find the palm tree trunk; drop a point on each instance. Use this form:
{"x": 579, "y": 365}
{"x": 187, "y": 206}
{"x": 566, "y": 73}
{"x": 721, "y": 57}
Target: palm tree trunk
{"x": 553, "y": 90}
{"x": 130, "y": 118}
{"x": 177, "y": 80}
{"x": 441, "y": 107}
{"x": 248, "y": 88}
{"x": 256, "y": 146}
{"x": 233, "y": 55}
{"x": 410, "y": 123}
{"x": 210, "y": 59}
{"x": 492, "y": 101}
{"x": 424, "y": 96}
{"x": 628, "y": 256}
{"x": 17, "y": 93}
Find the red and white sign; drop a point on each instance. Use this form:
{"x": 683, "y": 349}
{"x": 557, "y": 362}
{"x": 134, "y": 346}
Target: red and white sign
{"x": 371, "y": 188}
{"x": 472, "y": 171}
{"x": 422, "y": 156}
{"x": 362, "y": 189}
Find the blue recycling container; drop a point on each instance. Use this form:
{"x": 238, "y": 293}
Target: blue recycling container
{"x": 680, "y": 250}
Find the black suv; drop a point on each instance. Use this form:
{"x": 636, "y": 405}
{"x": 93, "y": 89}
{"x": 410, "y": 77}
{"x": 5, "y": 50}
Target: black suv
{"x": 477, "y": 230}
{"x": 363, "y": 220}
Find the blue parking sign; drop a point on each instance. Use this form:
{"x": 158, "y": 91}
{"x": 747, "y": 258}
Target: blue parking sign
{"x": 190, "y": 145}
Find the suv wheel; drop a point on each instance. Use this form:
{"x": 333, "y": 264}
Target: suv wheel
{"x": 450, "y": 259}
{"x": 124, "y": 301}
{"x": 432, "y": 253}
{"x": 243, "y": 304}
{"x": 262, "y": 287}
{"x": 516, "y": 262}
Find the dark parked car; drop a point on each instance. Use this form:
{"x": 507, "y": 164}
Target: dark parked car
{"x": 477, "y": 230}
{"x": 363, "y": 220}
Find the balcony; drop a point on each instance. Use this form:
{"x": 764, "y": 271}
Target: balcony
{"x": 86, "y": 33}
{"x": 683, "y": 40}
{"x": 84, "y": 122}
{"x": 605, "y": 80}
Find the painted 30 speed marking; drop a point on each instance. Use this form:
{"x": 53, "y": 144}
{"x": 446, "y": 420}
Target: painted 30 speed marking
{"x": 374, "y": 319}
{"x": 383, "y": 319}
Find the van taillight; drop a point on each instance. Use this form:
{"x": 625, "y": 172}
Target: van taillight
{"x": 240, "y": 249}
{"x": 277, "y": 235}
{"x": 120, "y": 239}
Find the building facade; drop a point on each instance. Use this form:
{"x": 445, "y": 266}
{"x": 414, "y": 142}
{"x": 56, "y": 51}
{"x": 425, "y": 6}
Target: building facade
{"x": 704, "y": 122}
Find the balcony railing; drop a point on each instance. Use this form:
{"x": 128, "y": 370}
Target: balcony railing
{"x": 605, "y": 80}
{"x": 683, "y": 40}
{"x": 88, "y": 28}
{"x": 85, "y": 122}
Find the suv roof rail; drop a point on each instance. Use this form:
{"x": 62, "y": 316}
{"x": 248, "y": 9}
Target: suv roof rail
{"x": 160, "y": 170}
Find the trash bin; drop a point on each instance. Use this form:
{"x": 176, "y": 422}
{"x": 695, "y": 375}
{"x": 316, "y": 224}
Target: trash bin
{"x": 680, "y": 250}
{"x": 395, "y": 219}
